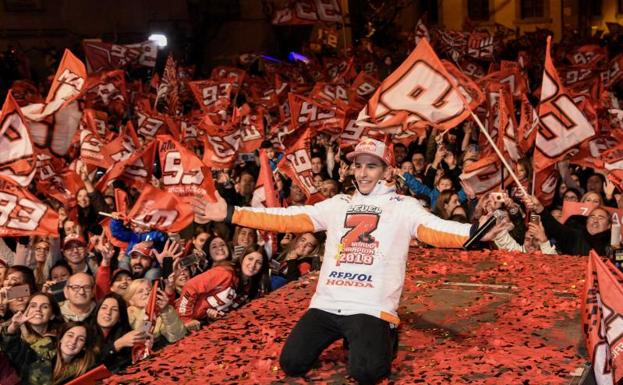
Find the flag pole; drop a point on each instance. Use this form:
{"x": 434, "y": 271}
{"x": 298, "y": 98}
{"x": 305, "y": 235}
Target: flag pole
{"x": 492, "y": 143}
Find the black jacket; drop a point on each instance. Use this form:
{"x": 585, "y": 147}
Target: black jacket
{"x": 573, "y": 240}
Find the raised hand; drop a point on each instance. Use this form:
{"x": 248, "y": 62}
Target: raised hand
{"x": 17, "y": 321}
{"x": 206, "y": 211}
{"x": 130, "y": 338}
{"x": 170, "y": 250}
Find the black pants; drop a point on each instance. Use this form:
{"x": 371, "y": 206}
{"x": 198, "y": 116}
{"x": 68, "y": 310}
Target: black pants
{"x": 370, "y": 342}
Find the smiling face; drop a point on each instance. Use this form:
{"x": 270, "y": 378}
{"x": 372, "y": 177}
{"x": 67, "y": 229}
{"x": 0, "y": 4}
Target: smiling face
{"x": 141, "y": 295}
{"x": 40, "y": 309}
{"x": 72, "y": 342}
{"x": 246, "y": 237}
{"x": 218, "y": 250}
{"x": 108, "y": 314}
{"x": 121, "y": 284}
{"x": 251, "y": 264}
{"x": 305, "y": 244}
{"x": 369, "y": 170}
{"x": 82, "y": 198}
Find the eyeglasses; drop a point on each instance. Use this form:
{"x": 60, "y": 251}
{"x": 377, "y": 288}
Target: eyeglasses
{"x": 77, "y": 288}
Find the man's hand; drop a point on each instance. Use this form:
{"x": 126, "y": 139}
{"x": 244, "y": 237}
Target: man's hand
{"x": 207, "y": 211}
{"x": 171, "y": 249}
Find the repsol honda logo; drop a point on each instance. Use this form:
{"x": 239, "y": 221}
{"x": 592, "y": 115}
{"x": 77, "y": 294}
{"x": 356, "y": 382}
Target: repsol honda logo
{"x": 343, "y": 278}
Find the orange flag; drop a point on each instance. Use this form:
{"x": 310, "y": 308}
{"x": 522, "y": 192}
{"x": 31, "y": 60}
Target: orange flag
{"x": 161, "y": 210}
{"x": 422, "y": 92}
{"x": 602, "y": 315}
{"x": 140, "y": 350}
{"x": 183, "y": 173}
{"x": 17, "y": 156}
{"x": 21, "y": 213}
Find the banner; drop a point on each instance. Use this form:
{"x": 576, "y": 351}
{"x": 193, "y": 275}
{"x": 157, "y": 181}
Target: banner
{"x": 105, "y": 88}
{"x": 17, "y": 156}
{"x": 563, "y": 126}
{"x": 183, "y": 174}
{"x": 422, "y": 92}
{"x": 265, "y": 194}
{"x": 602, "y": 314}
{"x": 137, "y": 169}
{"x": 161, "y": 210}
{"x": 22, "y": 214}
{"x": 296, "y": 164}
{"x": 484, "y": 175}
{"x": 67, "y": 85}
{"x": 317, "y": 116}
{"x": 104, "y": 56}
{"x": 308, "y": 12}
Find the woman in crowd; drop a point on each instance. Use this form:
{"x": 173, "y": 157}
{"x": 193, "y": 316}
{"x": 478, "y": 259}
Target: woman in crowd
{"x": 212, "y": 293}
{"x": 218, "y": 250}
{"x": 446, "y": 203}
{"x": 75, "y": 352}
{"x": 244, "y": 237}
{"x": 572, "y": 240}
{"x": 114, "y": 336}
{"x": 168, "y": 323}
{"x": 29, "y": 339}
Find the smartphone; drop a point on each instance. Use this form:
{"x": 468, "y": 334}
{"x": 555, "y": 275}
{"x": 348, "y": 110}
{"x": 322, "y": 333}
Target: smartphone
{"x": 175, "y": 237}
{"x": 498, "y": 196}
{"x": 238, "y": 252}
{"x": 535, "y": 218}
{"x": 18, "y": 292}
{"x": 57, "y": 291}
{"x": 189, "y": 261}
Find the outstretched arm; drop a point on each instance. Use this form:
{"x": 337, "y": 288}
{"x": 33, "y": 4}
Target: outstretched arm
{"x": 294, "y": 219}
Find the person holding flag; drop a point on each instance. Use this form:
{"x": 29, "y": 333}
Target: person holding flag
{"x": 363, "y": 269}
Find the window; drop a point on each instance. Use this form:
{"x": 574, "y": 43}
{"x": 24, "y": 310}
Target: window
{"x": 478, "y": 10}
{"x": 532, "y": 9}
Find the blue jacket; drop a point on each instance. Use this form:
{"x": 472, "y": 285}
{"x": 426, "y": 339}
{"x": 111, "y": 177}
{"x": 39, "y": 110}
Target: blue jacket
{"x": 420, "y": 188}
{"x": 124, "y": 234}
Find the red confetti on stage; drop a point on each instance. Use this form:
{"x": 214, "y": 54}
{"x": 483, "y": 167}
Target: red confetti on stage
{"x": 467, "y": 318}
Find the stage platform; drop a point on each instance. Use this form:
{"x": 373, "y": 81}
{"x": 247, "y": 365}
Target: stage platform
{"x": 467, "y": 318}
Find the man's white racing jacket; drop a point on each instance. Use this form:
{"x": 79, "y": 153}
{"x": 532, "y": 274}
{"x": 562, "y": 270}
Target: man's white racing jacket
{"x": 367, "y": 244}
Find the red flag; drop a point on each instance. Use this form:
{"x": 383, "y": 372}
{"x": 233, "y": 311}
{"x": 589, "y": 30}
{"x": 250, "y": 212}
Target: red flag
{"x": 151, "y": 124}
{"x": 296, "y": 164}
{"x": 137, "y": 169}
{"x": 265, "y": 194}
{"x": 421, "y": 91}
{"x": 304, "y": 12}
{"x": 22, "y": 214}
{"x": 507, "y": 127}
{"x": 362, "y": 89}
{"x": 140, "y": 350}
{"x": 96, "y": 121}
{"x": 66, "y": 86}
{"x": 528, "y": 122}
{"x": 183, "y": 174}
{"x": 601, "y": 318}
{"x": 105, "y": 88}
{"x": 589, "y": 54}
{"x": 93, "y": 151}
{"x": 562, "y": 126}
{"x": 104, "y": 56}
{"x": 212, "y": 95}
{"x": 483, "y": 176}
{"x": 17, "y": 156}
{"x": 161, "y": 210}
{"x": 233, "y": 75}
{"x": 319, "y": 117}
{"x": 92, "y": 377}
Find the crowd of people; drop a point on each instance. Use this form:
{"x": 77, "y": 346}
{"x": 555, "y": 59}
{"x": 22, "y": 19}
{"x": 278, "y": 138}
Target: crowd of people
{"x": 76, "y": 301}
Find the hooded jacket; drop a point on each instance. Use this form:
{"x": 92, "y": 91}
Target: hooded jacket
{"x": 368, "y": 236}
